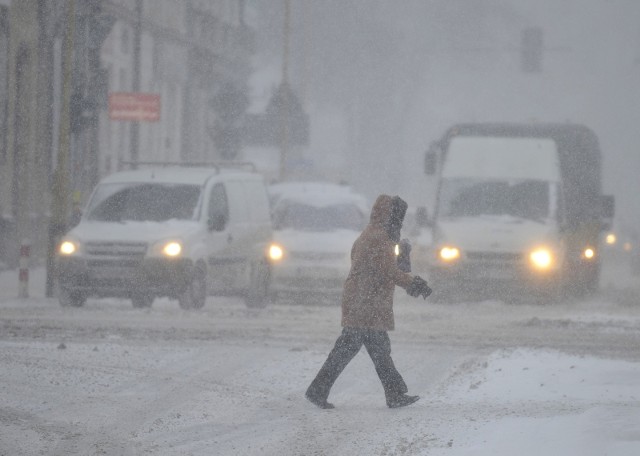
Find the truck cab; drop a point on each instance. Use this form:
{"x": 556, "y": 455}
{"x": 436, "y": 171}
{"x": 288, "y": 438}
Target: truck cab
{"x": 519, "y": 210}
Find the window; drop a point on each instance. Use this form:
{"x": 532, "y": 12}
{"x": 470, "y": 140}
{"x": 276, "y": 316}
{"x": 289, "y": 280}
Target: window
{"x": 144, "y": 202}
{"x": 124, "y": 40}
{"x": 218, "y": 211}
{"x": 306, "y": 217}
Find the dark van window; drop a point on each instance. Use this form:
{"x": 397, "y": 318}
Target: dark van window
{"x": 218, "y": 213}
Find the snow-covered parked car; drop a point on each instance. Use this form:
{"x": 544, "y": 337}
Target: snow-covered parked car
{"x": 313, "y": 235}
{"x": 178, "y": 232}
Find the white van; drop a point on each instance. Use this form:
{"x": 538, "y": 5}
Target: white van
{"x": 178, "y": 232}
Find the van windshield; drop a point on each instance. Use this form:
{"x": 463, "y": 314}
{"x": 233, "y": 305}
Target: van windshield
{"x": 467, "y": 197}
{"x": 155, "y": 202}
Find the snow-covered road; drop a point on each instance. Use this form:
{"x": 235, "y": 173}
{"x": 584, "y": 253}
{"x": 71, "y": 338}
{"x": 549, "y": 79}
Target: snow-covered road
{"x": 493, "y": 379}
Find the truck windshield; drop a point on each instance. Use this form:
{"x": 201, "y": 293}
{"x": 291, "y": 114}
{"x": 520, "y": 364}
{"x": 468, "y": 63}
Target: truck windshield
{"x": 143, "y": 202}
{"x": 467, "y": 197}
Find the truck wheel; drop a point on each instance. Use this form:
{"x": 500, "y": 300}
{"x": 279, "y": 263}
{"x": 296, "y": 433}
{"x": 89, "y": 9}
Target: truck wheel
{"x": 257, "y": 295}
{"x": 195, "y": 295}
{"x": 69, "y": 298}
{"x": 141, "y": 300}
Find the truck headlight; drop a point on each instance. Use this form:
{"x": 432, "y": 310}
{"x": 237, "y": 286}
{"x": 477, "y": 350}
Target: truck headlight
{"x": 68, "y": 247}
{"x": 167, "y": 248}
{"x": 449, "y": 253}
{"x": 541, "y": 258}
{"x": 172, "y": 249}
{"x": 275, "y": 252}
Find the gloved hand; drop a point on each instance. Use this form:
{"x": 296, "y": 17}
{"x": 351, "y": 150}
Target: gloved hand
{"x": 419, "y": 287}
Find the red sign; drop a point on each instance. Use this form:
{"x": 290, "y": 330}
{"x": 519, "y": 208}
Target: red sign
{"x": 134, "y": 106}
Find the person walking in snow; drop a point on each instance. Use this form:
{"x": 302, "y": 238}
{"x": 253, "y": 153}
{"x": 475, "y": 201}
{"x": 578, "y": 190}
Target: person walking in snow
{"x": 367, "y": 305}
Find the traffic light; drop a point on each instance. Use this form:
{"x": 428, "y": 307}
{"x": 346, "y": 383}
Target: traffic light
{"x": 532, "y": 50}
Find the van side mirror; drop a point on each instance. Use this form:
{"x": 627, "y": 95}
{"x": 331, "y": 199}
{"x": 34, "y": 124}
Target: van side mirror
{"x": 607, "y": 211}
{"x": 431, "y": 159}
{"x": 422, "y": 217}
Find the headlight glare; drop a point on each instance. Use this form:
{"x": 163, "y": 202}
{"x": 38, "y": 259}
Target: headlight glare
{"x": 275, "y": 252}
{"x": 541, "y": 258}
{"x": 68, "y": 248}
{"x": 589, "y": 253}
{"x": 172, "y": 249}
{"x": 449, "y": 253}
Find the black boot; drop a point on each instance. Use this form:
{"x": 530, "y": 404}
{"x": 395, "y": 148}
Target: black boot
{"x": 318, "y": 400}
{"x": 401, "y": 400}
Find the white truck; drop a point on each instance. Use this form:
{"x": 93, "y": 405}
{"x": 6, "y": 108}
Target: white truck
{"x": 519, "y": 210}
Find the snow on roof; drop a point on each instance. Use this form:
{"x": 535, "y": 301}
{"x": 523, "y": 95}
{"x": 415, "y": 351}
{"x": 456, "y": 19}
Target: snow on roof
{"x": 173, "y": 174}
{"x": 297, "y": 187}
{"x": 502, "y": 157}
{"x": 323, "y": 199}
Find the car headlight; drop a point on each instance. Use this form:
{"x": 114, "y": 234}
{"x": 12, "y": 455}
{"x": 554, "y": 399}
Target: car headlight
{"x": 68, "y": 247}
{"x": 275, "y": 252}
{"x": 396, "y": 249}
{"x": 588, "y": 253}
{"x": 541, "y": 258}
{"x": 449, "y": 253}
{"x": 611, "y": 239}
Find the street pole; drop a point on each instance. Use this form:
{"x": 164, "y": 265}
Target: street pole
{"x": 60, "y": 190}
{"x": 284, "y": 147}
{"x": 137, "y": 43}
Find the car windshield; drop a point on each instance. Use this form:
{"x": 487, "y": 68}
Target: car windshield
{"x": 144, "y": 202}
{"x": 466, "y": 197}
{"x": 305, "y": 217}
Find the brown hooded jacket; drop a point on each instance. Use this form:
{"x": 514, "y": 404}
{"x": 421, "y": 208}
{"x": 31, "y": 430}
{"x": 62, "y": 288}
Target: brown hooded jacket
{"x": 367, "y": 299}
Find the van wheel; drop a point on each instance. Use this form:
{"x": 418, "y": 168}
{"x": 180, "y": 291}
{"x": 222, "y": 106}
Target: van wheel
{"x": 195, "y": 295}
{"x": 257, "y": 295}
{"x": 68, "y": 298}
{"x": 141, "y": 300}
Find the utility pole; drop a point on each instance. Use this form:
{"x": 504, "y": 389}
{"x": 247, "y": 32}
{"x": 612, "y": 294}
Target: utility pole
{"x": 60, "y": 190}
{"x": 284, "y": 146}
{"x": 137, "y": 43}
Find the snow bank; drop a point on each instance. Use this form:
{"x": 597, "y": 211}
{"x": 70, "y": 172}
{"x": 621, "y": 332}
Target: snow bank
{"x": 539, "y": 402}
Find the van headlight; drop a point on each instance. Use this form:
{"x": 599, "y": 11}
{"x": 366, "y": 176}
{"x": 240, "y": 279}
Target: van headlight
{"x": 449, "y": 253}
{"x": 275, "y": 252}
{"x": 68, "y": 247}
{"x": 172, "y": 248}
{"x": 541, "y": 258}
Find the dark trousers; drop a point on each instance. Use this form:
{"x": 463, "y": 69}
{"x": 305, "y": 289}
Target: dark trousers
{"x": 347, "y": 346}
